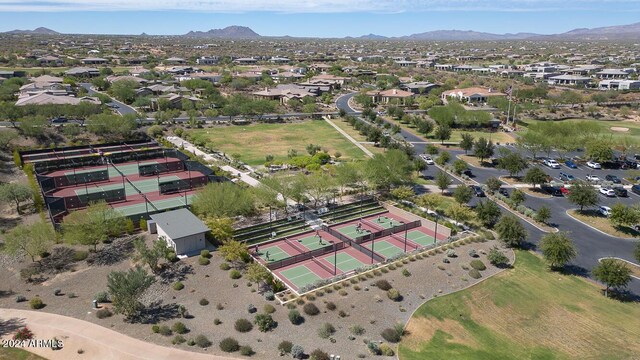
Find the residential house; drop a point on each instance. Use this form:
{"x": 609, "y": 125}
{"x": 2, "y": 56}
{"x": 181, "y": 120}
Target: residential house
{"x": 50, "y": 60}
{"x": 245, "y": 61}
{"x": 619, "y": 85}
{"x": 55, "y": 98}
{"x": 115, "y": 78}
{"x": 386, "y": 96}
{"x": 473, "y": 95}
{"x": 443, "y": 67}
{"x": 286, "y": 92}
{"x": 612, "y": 74}
{"x": 405, "y": 63}
{"x": 418, "y": 87}
{"x": 279, "y": 60}
{"x": 175, "y": 61}
{"x": 94, "y": 61}
{"x": 207, "y": 60}
{"x": 83, "y": 72}
{"x": 574, "y": 80}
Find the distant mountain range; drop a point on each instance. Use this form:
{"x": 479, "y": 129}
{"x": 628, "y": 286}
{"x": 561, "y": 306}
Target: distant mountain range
{"x": 621, "y": 32}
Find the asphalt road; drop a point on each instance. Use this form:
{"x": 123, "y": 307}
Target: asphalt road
{"x": 122, "y": 109}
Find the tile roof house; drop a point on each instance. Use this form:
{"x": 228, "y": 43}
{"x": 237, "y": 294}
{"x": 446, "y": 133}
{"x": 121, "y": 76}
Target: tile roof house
{"x": 83, "y": 72}
{"x": 46, "y": 98}
{"x": 385, "y": 96}
{"x": 471, "y": 95}
{"x": 418, "y": 87}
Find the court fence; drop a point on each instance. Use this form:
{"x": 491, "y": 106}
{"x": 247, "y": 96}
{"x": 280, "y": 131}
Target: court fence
{"x": 83, "y": 199}
{"x": 173, "y": 186}
{"x": 386, "y": 232}
{"x": 160, "y": 168}
{"x": 353, "y": 244}
{"x": 306, "y": 256}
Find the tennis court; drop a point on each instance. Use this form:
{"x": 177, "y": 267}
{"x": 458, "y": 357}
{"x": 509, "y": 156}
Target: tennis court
{"x": 384, "y": 248}
{"x": 276, "y": 253}
{"x": 384, "y": 222}
{"x": 145, "y": 186}
{"x": 300, "y": 276}
{"x": 344, "y": 261}
{"x": 312, "y": 242}
{"x": 352, "y": 232}
{"x": 164, "y": 204}
{"x": 93, "y": 189}
{"x": 420, "y": 238}
{"x": 129, "y": 169}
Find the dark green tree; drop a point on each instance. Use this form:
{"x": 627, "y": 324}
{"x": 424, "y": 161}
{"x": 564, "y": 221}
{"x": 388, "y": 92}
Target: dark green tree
{"x": 463, "y": 194}
{"x": 613, "y": 273}
{"x": 511, "y": 231}
{"x": 483, "y": 149}
{"x": 466, "y": 143}
{"x": 442, "y": 181}
{"x": 583, "y": 194}
{"x": 488, "y": 212}
{"x": 535, "y": 176}
{"x": 557, "y": 249}
{"x": 126, "y": 289}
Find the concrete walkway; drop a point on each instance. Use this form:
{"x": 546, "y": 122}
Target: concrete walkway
{"x": 97, "y": 342}
{"x": 360, "y": 146}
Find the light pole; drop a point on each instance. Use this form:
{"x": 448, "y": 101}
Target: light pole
{"x": 435, "y": 237}
{"x": 372, "y": 245}
{"x": 335, "y": 258}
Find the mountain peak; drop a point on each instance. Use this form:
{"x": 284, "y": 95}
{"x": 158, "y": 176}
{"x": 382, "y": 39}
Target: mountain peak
{"x": 230, "y": 32}
{"x": 40, "y": 31}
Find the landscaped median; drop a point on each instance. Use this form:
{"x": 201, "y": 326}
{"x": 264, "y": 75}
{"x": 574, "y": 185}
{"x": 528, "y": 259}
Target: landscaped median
{"x": 535, "y": 192}
{"x": 635, "y": 268}
{"x": 603, "y": 224}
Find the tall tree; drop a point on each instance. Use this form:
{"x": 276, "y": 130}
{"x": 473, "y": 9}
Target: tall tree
{"x": 613, "y": 273}
{"x": 93, "y": 225}
{"x": 234, "y": 251}
{"x": 390, "y": 169}
{"x": 600, "y": 150}
{"x": 535, "y": 176}
{"x": 557, "y": 249}
{"x": 483, "y": 149}
{"x": 419, "y": 166}
{"x": 583, "y": 194}
{"x": 442, "y": 181}
{"x": 463, "y": 194}
{"x": 31, "y": 240}
{"x": 511, "y": 231}
{"x": 429, "y": 201}
{"x": 345, "y": 175}
{"x": 493, "y": 184}
{"x": 151, "y": 255}
{"x": 126, "y": 289}
{"x": 459, "y": 213}
{"x": 319, "y": 186}
{"x": 623, "y": 215}
{"x": 16, "y": 193}
{"x": 442, "y": 133}
{"x": 488, "y": 212}
{"x": 543, "y": 214}
{"x": 517, "y": 197}
{"x": 512, "y": 162}
{"x": 466, "y": 142}
{"x": 224, "y": 200}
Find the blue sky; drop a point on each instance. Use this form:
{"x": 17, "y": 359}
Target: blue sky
{"x": 319, "y": 18}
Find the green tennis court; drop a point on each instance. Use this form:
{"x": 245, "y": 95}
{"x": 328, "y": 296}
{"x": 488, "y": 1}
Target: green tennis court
{"x": 275, "y": 253}
{"x": 385, "y": 248}
{"x": 351, "y": 231}
{"x": 92, "y": 189}
{"x": 300, "y": 276}
{"x": 312, "y": 242}
{"x": 420, "y": 238}
{"x": 71, "y": 173}
{"x": 130, "y": 169}
{"x": 385, "y": 222}
{"x": 345, "y": 262}
{"x": 165, "y": 204}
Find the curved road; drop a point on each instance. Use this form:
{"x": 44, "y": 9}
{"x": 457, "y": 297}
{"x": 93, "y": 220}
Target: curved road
{"x": 590, "y": 243}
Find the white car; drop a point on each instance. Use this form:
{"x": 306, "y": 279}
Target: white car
{"x": 607, "y": 192}
{"x": 604, "y": 211}
{"x": 594, "y": 165}
{"x": 427, "y": 159}
{"x": 551, "y": 163}
{"x": 593, "y": 178}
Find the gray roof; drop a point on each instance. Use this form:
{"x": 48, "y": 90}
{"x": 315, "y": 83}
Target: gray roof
{"x": 179, "y": 223}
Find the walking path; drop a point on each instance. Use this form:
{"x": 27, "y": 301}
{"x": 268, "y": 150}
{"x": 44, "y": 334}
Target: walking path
{"x": 97, "y": 342}
{"x": 360, "y": 146}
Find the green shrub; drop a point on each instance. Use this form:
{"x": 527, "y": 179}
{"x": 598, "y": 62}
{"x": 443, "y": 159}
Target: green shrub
{"x": 246, "y": 350}
{"x": 326, "y": 330}
{"x": 103, "y": 313}
{"x": 178, "y": 286}
{"x": 143, "y": 224}
{"x": 80, "y": 255}
{"x": 318, "y": 354}
{"x": 373, "y": 348}
{"x": 406, "y": 272}
{"x": 474, "y": 273}
{"x": 391, "y": 335}
{"x": 191, "y": 342}
{"x": 357, "y": 330}
{"x": 178, "y": 339}
{"x": 155, "y": 329}
{"x": 265, "y": 322}
{"x": 179, "y": 328}
{"x": 205, "y": 254}
{"x": 217, "y": 321}
{"x": 229, "y": 345}
{"x": 204, "y": 302}
{"x": 203, "y": 261}
{"x": 172, "y": 257}
{"x": 102, "y": 297}
{"x": 235, "y": 274}
{"x": 310, "y": 309}
{"x": 297, "y": 351}
{"x": 243, "y": 325}
{"x": 285, "y": 346}
{"x": 478, "y": 265}
{"x": 164, "y": 330}
{"x": 295, "y": 317}
{"x": 203, "y": 341}
{"x": 331, "y": 306}
{"x": 36, "y": 303}
{"x": 225, "y": 266}
{"x": 269, "y": 309}
{"x": 394, "y": 294}
{"x": 386, "y": 350}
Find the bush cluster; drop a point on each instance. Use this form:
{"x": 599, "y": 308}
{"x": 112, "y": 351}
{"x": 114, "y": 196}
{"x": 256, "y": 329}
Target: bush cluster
{"x": 178, "y": 286}
{"x": 394, "y": 294}
{"x": 285, "y": 346}
{"x": 36, "y": 303}
{"x": 383, "y": 284}
{"x": 310, "y": 309}
{"x": 103, "y": 313}
{"x": 295, "y": 317}
{"x": 229, "y": 345}
{"x": 243, "y": 325}
{"x": 478, "y": 265}
{"x": 179, "y": 328}
{"x": 474, "y": 273}
{"x": 326, "y": 330}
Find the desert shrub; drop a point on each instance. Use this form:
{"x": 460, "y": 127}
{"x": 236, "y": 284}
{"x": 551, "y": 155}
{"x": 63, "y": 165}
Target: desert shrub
{"x": 191, "y": 342}
{"x": 268, "y": 295}
{"x": 243, "y": 325}
{"x": 178, "y": 339}
{"x": 20, "y": 298}
{"x": 386, "y": 350}
{"x": 102, "y": 297}
{"x": 229, "y": 345}
{"x": 172, "y": 257}
{"x": 342, "y": 313}
{"x": 225, "y": 266}
{"x": 318, "y": 354}
{"x": 285, "y": 346}
{"x": 103, "y": 313}
{"x": 36, "y": 303}
{"x": 406, "y": 272}
{"x": 394, "y": 294}
{"x": 155, "y": 329}
{"x": 357, "y": 330}
{"x": 265, "y": 322}
{"x": 391, "y": 335}
{"x": 235, "y": 274}
{"x": 326, "y": 330}
{"x": 217, "y": 321}
{"x": 203, "y": 261}
{"x": 80, "y": 255}
{"x": 383, "y": 284}
{"x": 178, "y": 286}
{"x": 474, "y": 273}
{"x": 297, "y": 351}
{"x": 310, "y": 297}
{"x": 477, "y": 264}
{"x": 343, "y": 292}
{"x": 246, "y": 350}
{"x": 473, "y": 253}
{"x": 164, "y": 330}
{"x": 373, "y": 348}
{"x": 204, "y": 302}
{"x": 203, "y": 341}
{"x": 331, "y": 306}
{"x": 295, "y": 317}
{"x": 251, "y": 309}
{"x": 220, "y": 306}
{"x": 451, "y": 253}
{"x": 71, "y": 295}
{"x": 310, "y": 309}
{"x": 179, "y": 328}
{"x": 205, "y": 254}
{"x": 269, "y": 309}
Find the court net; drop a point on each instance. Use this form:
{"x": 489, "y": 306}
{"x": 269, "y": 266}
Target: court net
{"x": 295, "y": 246}
{"x": 409, "y": 242}
{"x": 325, "y": 267}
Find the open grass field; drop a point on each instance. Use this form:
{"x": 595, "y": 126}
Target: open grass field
{"x": 17, "y": 354}
{"x": 527, "y": 312}
{"x": 253, "y": 142}
{"x": 342, "y": 124}
{"x": 603, "y": 224}
{"x": 605, "y": 126}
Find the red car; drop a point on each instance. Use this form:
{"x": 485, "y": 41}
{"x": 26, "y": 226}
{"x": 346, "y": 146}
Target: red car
{"x": 564, "y": 190}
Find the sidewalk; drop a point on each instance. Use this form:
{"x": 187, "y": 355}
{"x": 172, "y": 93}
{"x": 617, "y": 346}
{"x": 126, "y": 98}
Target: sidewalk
{"x": 360, "y": 146}
{"x": 96, "y": 341}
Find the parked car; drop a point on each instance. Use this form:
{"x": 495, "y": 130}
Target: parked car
{"x": 593, "y": 178}
{"x": 570, "y": 164}
{"x": 113, "y": 106}
{"x": 553, "y": 190}
{"x": 468, "y": 173}
{"x": 564, "y": 190}
{"x": 614, "y": 179}
{"x": 604, "y": 211}
{"x": 551, "y": 163}
{"x": 477, "y": 190}
{"x": 594, "y": 165}
{"x": 427, "y": 159}
{"x": 566, "y": 177}
{"x": 504, "y": 192}
{"x": 607, "y": 192}
{"x": 59, "y": 120}
{"x": 620, "y": 192}
{"x": 635, "y": 189}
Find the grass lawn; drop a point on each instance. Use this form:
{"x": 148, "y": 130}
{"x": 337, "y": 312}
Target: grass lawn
{"x": 474, "y": 161}
{"x": 527, "y": 312}
{"x": 17, "y": 354}
{"x": 253, "y": 142}
{"x": 456, "y": 135}
{"x": 593, "y": 218}
{"x": 346, "y": 127}
{"x": 605, "y": 126}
